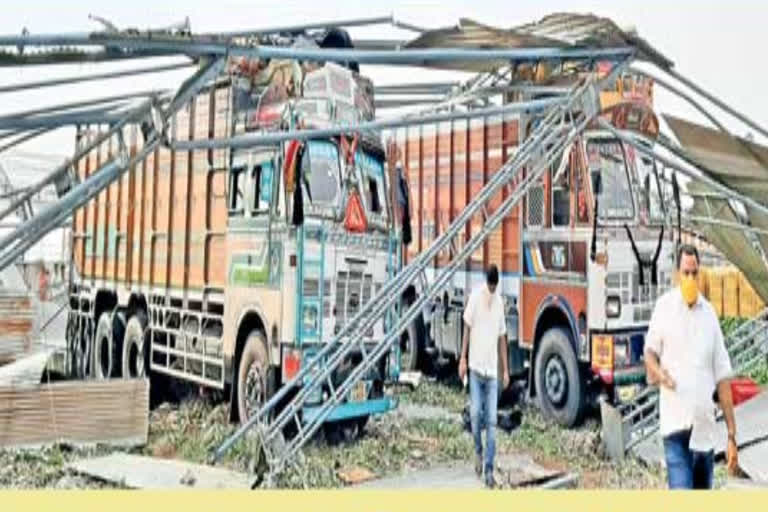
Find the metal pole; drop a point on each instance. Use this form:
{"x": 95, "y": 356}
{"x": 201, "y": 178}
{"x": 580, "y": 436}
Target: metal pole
{"x": 24, "y": 138}
{"x": 51, "y": 177}
{"x": 28, "y": 233}
{"x": 704, "y": 112}
{"x": 88, "y": 78}
{"x": 725, "y": 224}
{"x": 78, "y": 104}
{"x": 273, "y": 138}
{"x": 68, "y": 56}
{"x": 94, "y": 116}
{"x": 704, "y": 178}
{"x": 210, "y": 46}
{"x": 17, "y": 242}
{"x": 719, "y": 103}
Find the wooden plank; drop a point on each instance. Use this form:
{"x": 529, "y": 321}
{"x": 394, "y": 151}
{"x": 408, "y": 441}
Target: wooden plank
{"x": 76, "y": 412}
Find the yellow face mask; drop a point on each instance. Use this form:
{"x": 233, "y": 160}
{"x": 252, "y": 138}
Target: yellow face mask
{"x": 689, "y": 289}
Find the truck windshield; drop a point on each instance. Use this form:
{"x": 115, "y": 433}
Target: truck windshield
{"x": 321, "y": 172}
{"x": 606, "y": 157}
{"x": 650, "y": 188}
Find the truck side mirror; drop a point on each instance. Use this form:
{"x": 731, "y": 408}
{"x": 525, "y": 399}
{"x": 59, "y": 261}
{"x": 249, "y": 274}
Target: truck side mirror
{"x": 647, "y": 189}
{"x": 298, "y": 206}
{"x": 597, "y": 183}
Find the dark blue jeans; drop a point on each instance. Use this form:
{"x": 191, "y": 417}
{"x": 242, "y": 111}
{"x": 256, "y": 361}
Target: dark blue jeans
{"x": 482, "y": 412}
{"x": 687, "y": 469}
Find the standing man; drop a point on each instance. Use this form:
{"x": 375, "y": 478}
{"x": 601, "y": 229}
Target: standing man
{"x": 685, "y": 354}
{"x": 486, "y": 343}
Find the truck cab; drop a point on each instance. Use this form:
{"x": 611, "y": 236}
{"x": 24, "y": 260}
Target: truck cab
{"x": 310, "y": 242}
{"x": 583, "y": 257}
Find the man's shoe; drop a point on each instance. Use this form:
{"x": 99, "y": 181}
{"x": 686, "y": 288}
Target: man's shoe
{"x": 479, "y": 466}
{"x": 489, "y": 481}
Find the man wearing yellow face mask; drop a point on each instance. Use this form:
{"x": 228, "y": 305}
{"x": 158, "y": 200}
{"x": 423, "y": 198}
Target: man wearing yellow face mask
{"x": 685, "y": 355}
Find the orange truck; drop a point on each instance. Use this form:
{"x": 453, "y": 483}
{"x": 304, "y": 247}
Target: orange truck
{"x": 230, "y": 268}
{"x": 582, "y": 258}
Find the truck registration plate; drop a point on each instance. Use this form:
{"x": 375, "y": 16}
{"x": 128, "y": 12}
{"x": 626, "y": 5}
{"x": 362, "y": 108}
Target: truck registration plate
{"x": 358, "y": 393}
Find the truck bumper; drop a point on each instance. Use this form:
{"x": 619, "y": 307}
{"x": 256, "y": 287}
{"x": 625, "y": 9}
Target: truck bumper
{"x": 349, "y": 410}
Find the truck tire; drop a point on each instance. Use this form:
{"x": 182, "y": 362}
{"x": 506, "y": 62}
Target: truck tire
{"x": 104, "y": 355}
{"x": 409, "y": 349}
{"x": 135, "y": 353}
{"x": 559, "y": 384}
{"x": 252, "y": 382}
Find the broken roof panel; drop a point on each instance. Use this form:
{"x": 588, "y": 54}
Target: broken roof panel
{"x": 734, "y": 161}
{"x": 560, "y": 30}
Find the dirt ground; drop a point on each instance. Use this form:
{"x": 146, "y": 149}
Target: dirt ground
{"x": 390, "y": 443}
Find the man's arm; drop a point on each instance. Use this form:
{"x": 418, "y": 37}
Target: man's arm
{"x": 655, "y": 374}
{"x": 504, "y": 360}
{"x": 725, "y": 399}
{"x": 723, "y": 370}
{"x": 464, "y": 352}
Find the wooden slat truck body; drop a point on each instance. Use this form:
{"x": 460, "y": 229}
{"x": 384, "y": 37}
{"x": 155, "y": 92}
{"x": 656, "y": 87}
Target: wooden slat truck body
{"x": 194, "y": 266}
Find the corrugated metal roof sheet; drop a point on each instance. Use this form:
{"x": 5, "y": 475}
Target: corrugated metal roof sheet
{"x": 736, "y": 163}
{"x": 556, "y": 30}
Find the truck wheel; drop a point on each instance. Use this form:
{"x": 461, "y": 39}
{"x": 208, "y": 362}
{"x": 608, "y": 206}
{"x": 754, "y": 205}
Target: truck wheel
{"x": 135, "y": 347}
{"x": 83, "y": 347}
{"x": 409, "y": 349}
{"x": 104, "y": 347}
{"x": 558, "y": 380}
{"x": 252, "y": 381}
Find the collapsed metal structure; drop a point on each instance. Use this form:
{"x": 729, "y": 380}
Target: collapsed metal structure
{"x": 544, "y": 58}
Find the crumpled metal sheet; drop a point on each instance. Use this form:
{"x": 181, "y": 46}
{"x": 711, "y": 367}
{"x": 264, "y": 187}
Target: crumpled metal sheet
{"x": 738, "y": 164}
{"x": 556, "y": 30}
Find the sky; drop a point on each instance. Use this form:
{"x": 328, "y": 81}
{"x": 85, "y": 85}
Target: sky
{"x": 719, "y": 45}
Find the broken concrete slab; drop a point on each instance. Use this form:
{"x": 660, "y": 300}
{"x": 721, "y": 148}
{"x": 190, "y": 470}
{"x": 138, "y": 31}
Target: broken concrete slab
{"x": 518, "y": 470}
{"x": 751, "y": 422}
{"x": 460, "y": 476}
{"x": 25, "y": 372}
{"x": 754, "y": 461}
{"x": 139, "y": 472}
{"x": 745, "y": 484}
{"x": 751, "y": 425}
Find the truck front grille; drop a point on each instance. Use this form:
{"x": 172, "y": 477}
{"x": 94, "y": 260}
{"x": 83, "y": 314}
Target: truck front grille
{"x": 626, "y": 285}
{"x": 353, "y": 291}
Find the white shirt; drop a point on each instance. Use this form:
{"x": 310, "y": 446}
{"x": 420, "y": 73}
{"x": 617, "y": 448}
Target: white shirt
{"x": 484, "y": 315}
{"x": 690, "y": 347}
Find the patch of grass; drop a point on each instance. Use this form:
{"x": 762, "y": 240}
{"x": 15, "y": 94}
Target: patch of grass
{"x": 448, "y": 395}
{"x": 389, "y": 446}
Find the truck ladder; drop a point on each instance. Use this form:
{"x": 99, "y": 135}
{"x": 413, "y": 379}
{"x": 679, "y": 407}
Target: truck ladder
{"x": 559, "y": 127}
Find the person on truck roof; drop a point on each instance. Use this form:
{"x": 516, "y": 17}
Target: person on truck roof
{"x": 485, "y": 344}
{"x": 685, "y": 354}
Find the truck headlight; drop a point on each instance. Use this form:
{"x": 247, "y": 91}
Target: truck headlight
{"x": 613, "y": 306}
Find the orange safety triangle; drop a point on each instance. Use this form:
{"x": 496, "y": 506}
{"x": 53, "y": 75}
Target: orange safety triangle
{"x": 354, "y": 217}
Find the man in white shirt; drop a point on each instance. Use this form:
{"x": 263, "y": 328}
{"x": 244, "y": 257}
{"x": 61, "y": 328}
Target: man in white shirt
{"x": 485, "y": 341}
{"x": 685, "y": 354}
